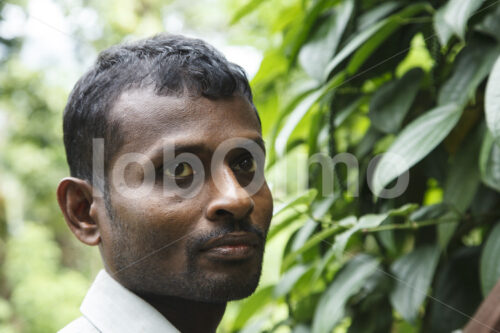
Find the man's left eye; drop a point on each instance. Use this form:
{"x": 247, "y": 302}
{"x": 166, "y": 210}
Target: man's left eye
{"x": 245, "y": 164}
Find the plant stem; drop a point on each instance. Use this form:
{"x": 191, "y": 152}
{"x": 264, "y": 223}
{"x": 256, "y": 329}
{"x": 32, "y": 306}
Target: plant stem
{"x": 411, "y": 225}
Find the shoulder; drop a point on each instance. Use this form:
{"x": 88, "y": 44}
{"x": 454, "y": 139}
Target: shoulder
{"x": 80, "y": 325}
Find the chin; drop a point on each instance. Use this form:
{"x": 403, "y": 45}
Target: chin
{"x": 225, "y": 289}
{"x": 197, "y": 285}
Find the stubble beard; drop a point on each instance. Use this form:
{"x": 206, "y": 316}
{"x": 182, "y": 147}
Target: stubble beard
{"x": 193, "y": 283}
{"x": 136, "y": 270}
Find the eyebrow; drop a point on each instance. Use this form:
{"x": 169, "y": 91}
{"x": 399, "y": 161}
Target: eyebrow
{"x": 156, "y": 153}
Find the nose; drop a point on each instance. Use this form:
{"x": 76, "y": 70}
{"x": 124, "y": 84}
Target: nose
{"x": 229, "y": 199}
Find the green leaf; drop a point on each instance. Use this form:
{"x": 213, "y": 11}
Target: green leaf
{"x": 376, "y": 14}
{"x": 461, "y": 183}
{"x": 387, "y": 237}
{"x": 366, "y": 221}
{"x": 252, "y": 305}
{"x": 322, "y": 45}
{"x": 429, "y": 212}
{"x": 377, "y": 320}
{"x": 305, "y": 284}
{"x": 293, "y": 120}
{"x": 296, "y": 92}
{"x": 302, "y": 199}
{"x": 245, "y": 10}
{"x": 492, "y": 101}
{"x": 321, "y": 207}
{"x": 452, "y": 18}
{"x": 353, "y": 45}
{"x": 300, "y": 328}
{"x": 303, "y": 241}
{"x": 289, "y": 221}
{"x": 489, "y": 162}
{"x": 310, "y": 243}
{"x": 303, "y": 311}
{"x": 342, "y": 115}
{"x": 472, "y": 66}
{"x": 456, "y": 288}
{"x": 372, "y": 44}
{"x": 463, "y": 176}
{"x": 443, "y": 30}
{"x": 301, "y": 110}
{"x": 457, "y": 13}
{"x": 404, "y": 210}
{"x": 413, "y": 274}
{"x": 491, "y": 24}
{"x": 392, "y": 101}
{"x": 303, "y": 235}
{"x": 332, "y": 251}
{"x": 416, "y": 140}
{"x": 273, "y": 65}
{"x": 289, "y": 279}
{"x": 256, "y": 325}
{"x": 331, "y": 306}
{"x": 366, "y": 145}
{"x": 297, "y": 34}
{"x": 490, "y": 261}
{"x": 389, "y": 24}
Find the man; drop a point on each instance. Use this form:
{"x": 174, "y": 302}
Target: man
{"x": 165, "y": 152}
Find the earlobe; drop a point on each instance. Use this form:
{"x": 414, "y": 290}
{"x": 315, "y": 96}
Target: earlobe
{"x": 75, "y": 200}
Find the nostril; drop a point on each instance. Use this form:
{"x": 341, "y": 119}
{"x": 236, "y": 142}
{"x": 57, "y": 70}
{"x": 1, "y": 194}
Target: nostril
{"x": 222, "y": 212}
{"x": 229, "y": 207}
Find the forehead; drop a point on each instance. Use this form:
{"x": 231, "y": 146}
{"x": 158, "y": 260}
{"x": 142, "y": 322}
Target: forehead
{"x": 145, "y": 118}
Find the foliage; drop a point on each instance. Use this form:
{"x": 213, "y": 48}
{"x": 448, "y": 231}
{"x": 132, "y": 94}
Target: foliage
{"x": 417, "y": 81}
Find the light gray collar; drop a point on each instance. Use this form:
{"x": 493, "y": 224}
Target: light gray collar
{"x": 112, "y": 308}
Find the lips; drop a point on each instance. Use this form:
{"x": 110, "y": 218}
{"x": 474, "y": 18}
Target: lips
{"x": 233, "y": 239}
{"x": 233, "y": 246}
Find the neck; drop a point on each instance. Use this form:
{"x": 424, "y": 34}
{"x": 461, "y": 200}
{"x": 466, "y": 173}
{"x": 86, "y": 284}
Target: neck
{"x": 188, "y": 316}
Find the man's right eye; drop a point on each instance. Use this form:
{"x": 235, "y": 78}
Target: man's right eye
{"x": 179, "y": 170}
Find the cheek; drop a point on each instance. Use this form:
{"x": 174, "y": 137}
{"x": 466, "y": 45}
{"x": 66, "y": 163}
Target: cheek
{"x": 155, "y": 223}
{"x": 264, "y": 207}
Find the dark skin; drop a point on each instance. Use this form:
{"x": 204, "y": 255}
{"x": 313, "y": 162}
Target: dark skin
{"x": 154, "y": 244}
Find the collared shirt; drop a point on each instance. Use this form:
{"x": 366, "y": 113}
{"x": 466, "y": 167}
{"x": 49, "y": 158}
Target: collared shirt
{"x": 109, "y": 307}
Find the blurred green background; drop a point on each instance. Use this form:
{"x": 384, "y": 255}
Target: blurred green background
{"x": 364, "y": 77}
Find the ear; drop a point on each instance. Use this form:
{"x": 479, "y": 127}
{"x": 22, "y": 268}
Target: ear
{"x": 75, "y": 200}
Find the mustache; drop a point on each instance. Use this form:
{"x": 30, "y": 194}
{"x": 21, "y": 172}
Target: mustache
{"x": 196, "y": 243}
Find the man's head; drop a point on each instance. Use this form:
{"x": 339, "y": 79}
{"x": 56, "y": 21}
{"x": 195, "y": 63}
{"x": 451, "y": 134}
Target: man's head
{"x": 172, "y": 103}
{"x": 171, "y": 65}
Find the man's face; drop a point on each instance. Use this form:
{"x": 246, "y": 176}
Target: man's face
{"x": 164, "y": 242}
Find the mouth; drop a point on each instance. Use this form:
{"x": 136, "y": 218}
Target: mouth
{"x": 232, "y": 246}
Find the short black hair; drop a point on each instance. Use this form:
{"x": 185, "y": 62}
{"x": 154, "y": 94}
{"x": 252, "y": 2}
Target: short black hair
{"x": 171, "y": 64}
